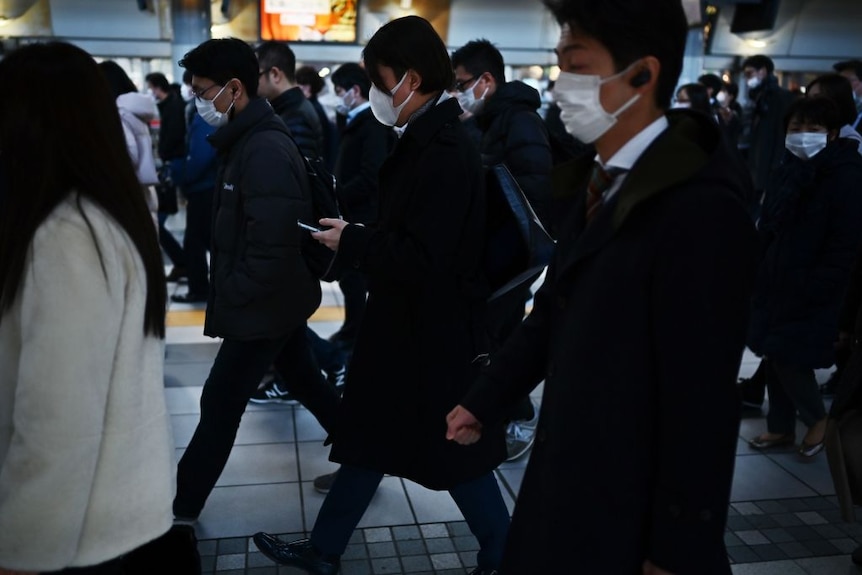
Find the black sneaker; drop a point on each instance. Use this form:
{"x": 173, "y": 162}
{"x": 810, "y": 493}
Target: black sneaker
{"x": 335, "y": 378}
{"x": 271, "y": 392}
{"x": 323, "y": 483}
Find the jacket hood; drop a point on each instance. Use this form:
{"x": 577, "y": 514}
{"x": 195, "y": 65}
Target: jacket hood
{"x": 141, "y": 105}
{"x": 509, "y": 97}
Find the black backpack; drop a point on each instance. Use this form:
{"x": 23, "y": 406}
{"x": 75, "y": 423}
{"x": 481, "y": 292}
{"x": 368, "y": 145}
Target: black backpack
{"x": 324, "y": 204}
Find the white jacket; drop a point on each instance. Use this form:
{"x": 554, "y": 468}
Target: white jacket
{"x": 86, "y": 451}
{"x": 136, "y": 111}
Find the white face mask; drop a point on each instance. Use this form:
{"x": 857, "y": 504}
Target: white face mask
{"x": 753, "y": 82}
{"x": 806, "y": 145}
{"x": 681, "y": 105}
{"x": 721, "y": 98}
{"x": 186, "y": 92}
{"x": 207, "y": 110}
{"x": 381, "y": 103}
{"x": 581, "y": 110}
{"x": 470, "y": 103}
{"x": 347, "y": 102}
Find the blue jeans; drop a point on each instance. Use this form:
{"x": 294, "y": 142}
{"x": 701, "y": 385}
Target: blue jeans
{"x": 479, "y": 500}
{"x": 234, "y": 377}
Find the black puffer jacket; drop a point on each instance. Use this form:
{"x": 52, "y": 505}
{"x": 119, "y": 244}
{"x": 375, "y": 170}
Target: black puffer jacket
{"x": 514, "y": 133}
{"x": 302, "y": 121}
{"x": 261, "y": 287}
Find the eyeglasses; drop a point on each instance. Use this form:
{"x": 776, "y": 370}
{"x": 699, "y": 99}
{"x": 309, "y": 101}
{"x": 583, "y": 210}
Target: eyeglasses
{"x": 461, "y": 85}
{"x": 200, "y": 95}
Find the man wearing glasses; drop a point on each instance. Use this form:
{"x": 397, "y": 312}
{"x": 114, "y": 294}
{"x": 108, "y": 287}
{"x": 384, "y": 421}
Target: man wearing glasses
{"x": 261, "y": 292}
{"x": 513, "y": 133}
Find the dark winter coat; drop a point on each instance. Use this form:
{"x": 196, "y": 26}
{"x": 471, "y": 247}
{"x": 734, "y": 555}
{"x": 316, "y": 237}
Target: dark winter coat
{"x": 771, "y": 103}
{"x": 260, "y": 285}
{"x": 302, "y": 121}
{"x": 365, "y": 143}
{"x": 812, "y": 215}
{"x": 637, "y": 332}
{"x": 196, "y": 173}
{"x": 513, "y": 133}
{"x": 414, "y": 353}
{"x": 172, "y": 127}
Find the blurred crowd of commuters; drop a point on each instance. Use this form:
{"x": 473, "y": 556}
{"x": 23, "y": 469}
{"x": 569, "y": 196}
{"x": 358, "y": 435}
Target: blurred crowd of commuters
{"x": 679, "y": 210}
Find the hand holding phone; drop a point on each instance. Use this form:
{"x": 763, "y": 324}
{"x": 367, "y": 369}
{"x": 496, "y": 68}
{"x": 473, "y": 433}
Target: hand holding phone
{"x": 307, "y": 227}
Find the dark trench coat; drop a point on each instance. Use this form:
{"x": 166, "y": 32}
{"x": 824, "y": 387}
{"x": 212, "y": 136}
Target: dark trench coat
{"x": 422, "y": 329}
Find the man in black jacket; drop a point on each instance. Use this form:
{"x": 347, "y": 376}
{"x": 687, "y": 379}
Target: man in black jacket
{"x": 262, "y": 292}
{"x": 514, "y": 134}
{"x": 277, "y": 83}
{"x": 639, "y": 328}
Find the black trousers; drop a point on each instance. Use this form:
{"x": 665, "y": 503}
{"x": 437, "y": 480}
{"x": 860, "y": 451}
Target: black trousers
{"x": 234, "y": 376}
{"x": 196, "y": 241}
{"x": 170, "y": 244}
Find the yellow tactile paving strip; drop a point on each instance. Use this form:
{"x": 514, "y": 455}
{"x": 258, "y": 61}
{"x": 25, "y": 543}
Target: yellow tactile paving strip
{"x": 192, "y": 317}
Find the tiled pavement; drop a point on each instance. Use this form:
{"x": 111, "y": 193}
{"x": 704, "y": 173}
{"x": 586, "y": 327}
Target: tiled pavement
{"x": 784, "y": 518}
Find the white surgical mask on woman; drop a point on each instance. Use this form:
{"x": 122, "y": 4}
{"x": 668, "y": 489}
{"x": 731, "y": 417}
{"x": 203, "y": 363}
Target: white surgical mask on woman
{"x": 752, "y": 82}
{"x": 207, "y": 110}
{"x": 581, "y": 110}
{"x": 381, "y": 103}
{"x": 806, "y": 145}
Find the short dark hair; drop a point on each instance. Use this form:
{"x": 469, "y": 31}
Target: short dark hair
{"x": 187, "y": 77}
{"x": 118, "y": 81}
{"x": 221, "y": 60}
{"x": 478, "y": 57}
{"x": 698, "y": 96}
{"x": 838, "y": 89}
{"x": 41, "y": 167}
{"x": 308, "y": 76}
{"x": 817, "y": 110}
{"x": 759, "y": 62}
{"x": 272, "y": 54}
{"x": 732, "y": 89}
{"x": 410, "y": 43}
{"x": 158, "y": 80}
{"x": 713, "y": 82}
{"x": 352, "y": 74}
{"x": 854, "y": 66}
{"x": 633, "y": 29}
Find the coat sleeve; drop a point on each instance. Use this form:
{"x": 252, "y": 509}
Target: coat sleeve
{"x": 63, "y": 383}
{"x": 850, "y": 320}
{"x": 362, "y": 188}
{"x": 527, "y": 153}
{"x": 703, "y": 273}
{"x": 272, "y": 200}
{"x": 427, "y": 241}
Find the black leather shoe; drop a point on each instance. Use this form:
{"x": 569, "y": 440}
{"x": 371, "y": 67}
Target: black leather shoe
{"x": 188, "y": 298}
{"x": 298, "y": 553}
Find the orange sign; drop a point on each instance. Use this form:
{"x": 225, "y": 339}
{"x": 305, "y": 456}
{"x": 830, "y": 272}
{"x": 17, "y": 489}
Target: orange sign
{"x": 308, "y": 20}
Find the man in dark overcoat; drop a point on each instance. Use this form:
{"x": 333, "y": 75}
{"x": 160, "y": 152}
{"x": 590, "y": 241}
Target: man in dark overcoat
{"x": 639, "y": 328}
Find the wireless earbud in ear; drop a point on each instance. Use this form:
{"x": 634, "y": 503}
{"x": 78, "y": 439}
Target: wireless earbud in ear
{"x": 640, "y": 78}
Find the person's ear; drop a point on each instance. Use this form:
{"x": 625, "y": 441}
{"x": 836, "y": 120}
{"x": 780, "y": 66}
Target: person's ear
{"x": 414, "y": 80}
{"x": 646, "y": 74}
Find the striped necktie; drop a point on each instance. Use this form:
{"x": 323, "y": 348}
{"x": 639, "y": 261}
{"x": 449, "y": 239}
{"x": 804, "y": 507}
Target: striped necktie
{"x": 600, "y": 180}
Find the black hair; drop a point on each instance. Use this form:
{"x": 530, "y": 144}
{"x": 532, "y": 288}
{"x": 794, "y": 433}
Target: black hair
{"x": 223, "y": 59}
{"x": 351, "y": 74}
{"x": 187, "y": 77}
{"x": 118, "y": 81}
{"x": 478, "y": 57}
{"x": 630, "y": 30}
{"x": 41, "y": 167}
{"x": 308, "y": 76}
{"x": 698, "y": 96}
{"x": 410, "y": 43}
{"x": 818, "y": 110}
{"x": 838, "y": 89}
{"x": 713, "y": 82}
{"x": 759, "y": 62}
{"x": 158, "y": 80}
{"x": 854, "y": 66}
{"x": 732, "y": 89}
{"x": 272, "y": 54}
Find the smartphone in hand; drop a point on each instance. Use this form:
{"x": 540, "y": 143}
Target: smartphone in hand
{"x": 307, "y": 227}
